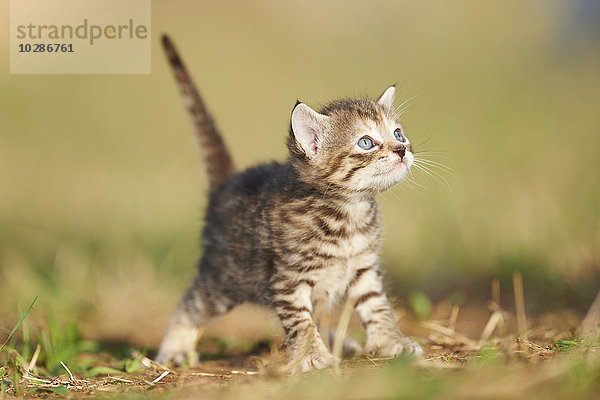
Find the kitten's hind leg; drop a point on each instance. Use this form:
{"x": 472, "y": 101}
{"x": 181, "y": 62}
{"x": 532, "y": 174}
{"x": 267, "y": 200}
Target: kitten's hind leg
{"x": 178, "y": 345}
{"x": 195, "y": 308}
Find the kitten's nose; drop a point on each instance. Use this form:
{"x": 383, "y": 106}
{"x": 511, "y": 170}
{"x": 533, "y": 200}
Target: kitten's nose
{"x": 400, "y": 150}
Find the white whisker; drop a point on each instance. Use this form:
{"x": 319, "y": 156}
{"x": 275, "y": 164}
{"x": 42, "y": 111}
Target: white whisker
{"x": 435, "y": 164}
{"x": 413, "y": 182}
{"x": 433, "y": 174}
{"x": 394, "y": 194}
{"x": 428, "y": 154}
{"x": 396, "y": 113}
{"x": 426, "y": 172}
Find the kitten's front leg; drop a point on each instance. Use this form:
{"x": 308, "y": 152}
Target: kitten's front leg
{"x": 372, "y": 305}
{"x": 292, "y": 301}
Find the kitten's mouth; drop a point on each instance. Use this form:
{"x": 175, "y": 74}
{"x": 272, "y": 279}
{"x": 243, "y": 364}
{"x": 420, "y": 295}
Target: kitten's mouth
{"x": 397, "y": 165}
{"x": 402, "y": 163}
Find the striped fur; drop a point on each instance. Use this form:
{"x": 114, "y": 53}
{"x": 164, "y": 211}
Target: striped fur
{"x": 290, "y": 235}
{"x": 218, "y": 163}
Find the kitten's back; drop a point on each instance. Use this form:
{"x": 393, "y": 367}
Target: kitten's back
{"x": 236, "y": 231}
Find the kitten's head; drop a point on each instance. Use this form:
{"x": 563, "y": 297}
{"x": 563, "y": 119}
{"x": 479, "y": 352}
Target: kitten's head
{"x": 353, "y": 146}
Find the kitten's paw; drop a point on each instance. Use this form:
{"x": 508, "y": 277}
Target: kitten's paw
{"x": 316, "y": 360}
{"x": 395, "y": 348}
{"x": 167, "y": 358}
{"x": 178, "y": 346}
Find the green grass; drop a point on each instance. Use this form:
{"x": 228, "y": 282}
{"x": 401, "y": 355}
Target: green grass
{"x": 18, "y": 324}
{"x": 60, "y": 345}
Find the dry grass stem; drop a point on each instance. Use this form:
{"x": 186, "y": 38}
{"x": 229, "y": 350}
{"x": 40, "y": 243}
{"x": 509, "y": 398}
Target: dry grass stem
{"x": 34, "y": 379}
{"x": 494, "y": 321}
{"x": 159, "y": 378}
{"x": 34, "y": 358}
{"x": 342, "y": 328}
{"x": 323, "y": 320}
{"x": 592, "y": 317}
{"x": 453, "y": 316}
{"x": 68, "y": 370}
{"x": 236, "y": 372}
{"x": 149, "y": 363}
{"x": 206, "y": 374}
{"x": 448, "y": 337}
{"x": 120, "y": 379}
{"x": 496, "y": 292}
{"x": 520, "y": 303}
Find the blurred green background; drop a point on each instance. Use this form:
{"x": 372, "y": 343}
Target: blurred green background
{"x": 102, "y": 191}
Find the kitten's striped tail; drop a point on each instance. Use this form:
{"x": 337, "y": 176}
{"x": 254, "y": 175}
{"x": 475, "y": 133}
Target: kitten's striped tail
{"x": 219, "y": 165}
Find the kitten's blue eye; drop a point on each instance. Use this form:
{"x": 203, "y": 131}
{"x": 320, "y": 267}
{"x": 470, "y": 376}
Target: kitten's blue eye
{"x": 365, "y": 143}
{"x": 399, "y": 136}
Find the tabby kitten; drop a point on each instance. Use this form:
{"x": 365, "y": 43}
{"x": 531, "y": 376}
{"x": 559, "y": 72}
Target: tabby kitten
{"x": 289, "y": 235}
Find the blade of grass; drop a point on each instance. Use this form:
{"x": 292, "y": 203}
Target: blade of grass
{"x": 18, "y": 324}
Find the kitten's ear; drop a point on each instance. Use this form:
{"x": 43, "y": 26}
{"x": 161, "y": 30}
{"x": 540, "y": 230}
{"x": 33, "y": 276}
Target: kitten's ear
{"x": 387, "y": 98}
{"x": 308, "y": 127}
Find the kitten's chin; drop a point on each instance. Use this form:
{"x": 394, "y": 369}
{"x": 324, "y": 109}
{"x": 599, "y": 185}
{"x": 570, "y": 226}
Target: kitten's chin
{"x": 386, "y": 179}
{"x": 383, "y": 175}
